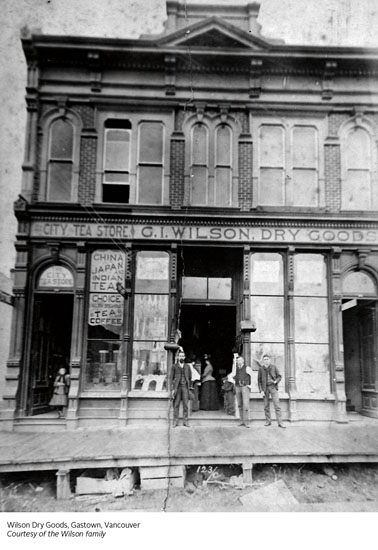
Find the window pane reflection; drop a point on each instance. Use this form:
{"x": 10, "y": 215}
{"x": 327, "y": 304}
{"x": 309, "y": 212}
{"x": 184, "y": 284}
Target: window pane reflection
{"x": 311, "y": 319}
{"x": 312, "y": 369}
{"x": 310, "y": 275}
{"x": 266, "y": 273}
{"x": 151, "y": 317}
{"x": 268, "y": 312}
{"x": 152, "y": 270}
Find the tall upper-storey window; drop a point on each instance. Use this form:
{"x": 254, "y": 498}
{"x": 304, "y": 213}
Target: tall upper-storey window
{"x": 150, "y": 163}
{"x": 223, "y": 166}
{"x": 199, "y": 166}
{"x": 133, "y": 167}
{"x": 60, "y": 161}
{"x": 211, "y": 165}
{"x": 287, "y": 165}
{"x": 116, "y": 177}
{"x": 359, "y": 179}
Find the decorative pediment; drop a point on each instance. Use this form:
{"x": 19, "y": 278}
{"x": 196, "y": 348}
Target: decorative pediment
{"x": 213, "y": 33}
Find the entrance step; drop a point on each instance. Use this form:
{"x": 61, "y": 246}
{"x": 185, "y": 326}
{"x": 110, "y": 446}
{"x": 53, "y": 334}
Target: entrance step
{"x": 39, "y": 424}
{"x": 208, "y": 418}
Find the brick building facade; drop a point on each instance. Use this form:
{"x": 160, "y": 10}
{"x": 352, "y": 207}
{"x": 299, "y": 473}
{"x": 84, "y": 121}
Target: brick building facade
{"x": 190, "y": 187}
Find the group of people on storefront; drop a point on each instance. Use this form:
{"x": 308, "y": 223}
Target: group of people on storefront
{"x": 187, "y": 384}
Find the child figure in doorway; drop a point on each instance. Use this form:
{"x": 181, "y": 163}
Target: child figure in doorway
{"x": 228, "y": 390}
{"x": 60, "y": 394}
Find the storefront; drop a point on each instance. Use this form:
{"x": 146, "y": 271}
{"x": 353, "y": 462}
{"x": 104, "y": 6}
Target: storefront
{"x": 303, "y": 288}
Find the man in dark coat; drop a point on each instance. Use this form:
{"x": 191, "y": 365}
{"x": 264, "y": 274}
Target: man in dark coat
{"x": 181, "y": 379}
{"x": 268, "y": 379}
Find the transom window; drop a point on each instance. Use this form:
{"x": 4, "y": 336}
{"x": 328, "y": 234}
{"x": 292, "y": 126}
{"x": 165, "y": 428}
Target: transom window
{"x": 358, "y": 284}
{"x": 207, "y": 288}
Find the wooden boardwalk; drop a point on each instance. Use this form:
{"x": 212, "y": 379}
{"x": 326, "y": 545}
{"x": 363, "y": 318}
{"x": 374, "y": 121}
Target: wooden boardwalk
{"x": 139, "y": 446}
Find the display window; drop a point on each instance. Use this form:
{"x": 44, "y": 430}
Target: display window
{"x": 150, "y": 327}
{"x": 105, "y": 347}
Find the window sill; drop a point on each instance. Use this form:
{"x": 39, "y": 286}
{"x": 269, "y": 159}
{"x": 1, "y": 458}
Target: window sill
{"x": 99, "y": 394}
{"x": 148, "y": 394}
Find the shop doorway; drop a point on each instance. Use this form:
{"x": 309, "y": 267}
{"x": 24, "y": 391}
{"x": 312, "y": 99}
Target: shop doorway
{"x": 360, "y": 354}
{"x": 210, "y": 329}
{"x": 50, "y": 347}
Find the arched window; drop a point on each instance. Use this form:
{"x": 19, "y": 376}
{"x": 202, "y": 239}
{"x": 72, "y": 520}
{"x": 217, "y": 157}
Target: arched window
{"x": 357, "y": 191}
{"x": 199, "y": 165}
{"x": 60, "y": 161}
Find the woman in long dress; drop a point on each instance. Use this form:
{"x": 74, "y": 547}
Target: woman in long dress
{"x": 209, "y": 394}
{"x": 60, "y": 394}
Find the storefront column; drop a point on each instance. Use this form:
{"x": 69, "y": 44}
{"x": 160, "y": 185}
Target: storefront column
{"x": 125, "y": 352}
{"x": 292, "y": 386}
{"x": 76, "y": 358}
{"x": 337, "y": 371}
{"x": 246, "y": 314}
{"x": 17, "y": 375}
{"x": 12, "y": 377}
{"x": 76, "y": 361}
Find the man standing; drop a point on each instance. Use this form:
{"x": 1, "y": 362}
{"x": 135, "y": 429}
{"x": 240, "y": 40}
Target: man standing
{"x": 181, "y": 379}
{"x": 268, "y": 379}
{"x": 242, "y": 376}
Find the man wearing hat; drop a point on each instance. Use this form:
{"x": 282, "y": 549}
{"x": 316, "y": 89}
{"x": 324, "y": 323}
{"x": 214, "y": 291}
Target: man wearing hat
{"x": 181, "y": 379}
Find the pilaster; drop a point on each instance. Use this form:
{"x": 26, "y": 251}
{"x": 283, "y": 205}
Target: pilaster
{"x": 291, "y": 372}
{"x": 337, "y": 352}
{"x": 125, "y": 352}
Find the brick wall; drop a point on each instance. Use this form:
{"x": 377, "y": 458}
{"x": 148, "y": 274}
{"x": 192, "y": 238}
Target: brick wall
{"x": 245, "y": 175}
{"x": 176, "y": 190}
{"x": 332, "y": 177}
{"x": 335, "y": 120}
{"x": 87, "y": 174}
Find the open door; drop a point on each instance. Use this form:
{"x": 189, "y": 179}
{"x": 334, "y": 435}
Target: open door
{"x": 210, "y": 330}
{"x": 50, "y": 347}
{"x": 360, "y": 357}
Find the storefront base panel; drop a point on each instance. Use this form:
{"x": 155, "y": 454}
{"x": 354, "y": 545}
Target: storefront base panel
{"x": 151, "y": 412}
{"x": 158, "y": 412}
{"x": 316, "y": 410}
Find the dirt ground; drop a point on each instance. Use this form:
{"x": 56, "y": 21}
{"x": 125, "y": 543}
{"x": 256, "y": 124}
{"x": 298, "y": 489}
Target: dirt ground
{"x": 308, "y": 483}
